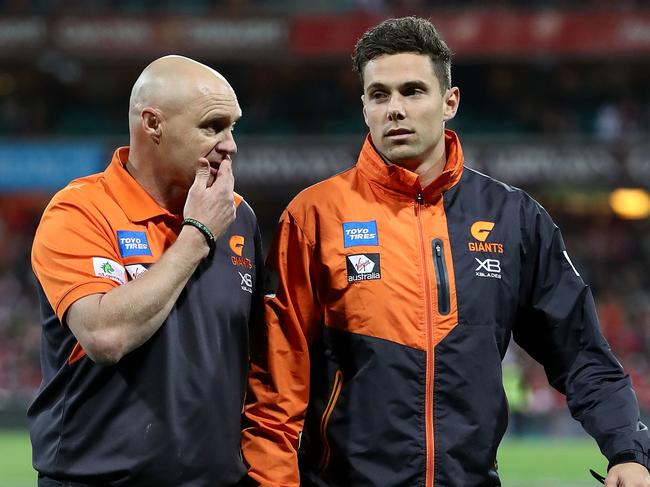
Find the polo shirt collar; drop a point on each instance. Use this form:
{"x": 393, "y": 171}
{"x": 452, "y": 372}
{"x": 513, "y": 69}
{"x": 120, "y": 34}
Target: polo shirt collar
{"x": 137, "y": 204}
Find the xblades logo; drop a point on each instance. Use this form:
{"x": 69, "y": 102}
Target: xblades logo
{"x": 488, "y": 268}
{"x": 246, "y": 283}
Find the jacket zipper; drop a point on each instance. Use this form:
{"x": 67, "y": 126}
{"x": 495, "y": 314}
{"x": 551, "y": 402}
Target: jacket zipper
{"x": 441, "y": 276}
{"x": 325, "y": 419}
{"x": 428, "y": 403}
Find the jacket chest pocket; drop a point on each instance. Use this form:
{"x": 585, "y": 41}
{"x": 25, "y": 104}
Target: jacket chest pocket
{"x": 488, "y": 288}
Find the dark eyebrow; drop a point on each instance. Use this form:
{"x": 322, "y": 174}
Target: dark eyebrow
{"x": 219, "y": 120}
{"x": 408, "y": 85}
{"x": 376, "y": 86}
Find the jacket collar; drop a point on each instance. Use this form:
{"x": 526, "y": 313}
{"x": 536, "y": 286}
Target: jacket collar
{"x": 396, "y": 178}
{"x": 137, "y": 204}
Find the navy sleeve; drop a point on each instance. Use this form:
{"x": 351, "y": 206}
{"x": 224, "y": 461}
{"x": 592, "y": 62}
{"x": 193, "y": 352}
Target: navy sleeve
{"x": 559, "y": 328}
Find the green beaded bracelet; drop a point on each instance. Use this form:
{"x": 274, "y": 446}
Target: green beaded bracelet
{"x": 207, "y": 233}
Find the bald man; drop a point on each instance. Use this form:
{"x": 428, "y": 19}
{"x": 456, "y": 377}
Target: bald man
{"x": 148, "y": 279}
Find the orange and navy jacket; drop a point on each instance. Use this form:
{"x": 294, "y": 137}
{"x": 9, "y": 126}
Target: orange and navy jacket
{"x": 389, "y": 309}
{"x": 169, "y": 412}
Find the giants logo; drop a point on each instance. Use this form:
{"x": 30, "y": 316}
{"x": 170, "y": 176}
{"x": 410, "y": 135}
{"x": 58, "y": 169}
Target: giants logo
{"x": 236, "y": 244}
{"x": 480, "y": 230}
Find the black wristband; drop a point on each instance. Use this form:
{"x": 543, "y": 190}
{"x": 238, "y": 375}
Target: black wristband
{"x": 207, "y": 233}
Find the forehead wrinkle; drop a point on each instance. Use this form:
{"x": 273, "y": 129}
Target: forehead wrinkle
{"x": 218, "y": 107}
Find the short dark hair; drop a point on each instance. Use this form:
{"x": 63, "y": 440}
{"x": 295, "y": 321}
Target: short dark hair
{"x": 406, "y": 34}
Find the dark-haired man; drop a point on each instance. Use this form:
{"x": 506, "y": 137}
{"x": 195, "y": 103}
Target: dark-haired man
{"x": 395, "y": 289}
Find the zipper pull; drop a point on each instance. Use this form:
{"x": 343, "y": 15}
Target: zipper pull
{"x": 419, "y": 199}
{"x": 438, "y": 250}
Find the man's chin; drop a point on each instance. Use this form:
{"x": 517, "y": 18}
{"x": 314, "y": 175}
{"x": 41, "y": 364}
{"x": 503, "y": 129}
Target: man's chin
{"x": 401, "y": 155}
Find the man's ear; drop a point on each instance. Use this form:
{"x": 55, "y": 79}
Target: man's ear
{"x": 151, "y": 124}
{"x": 451, "y": 101}
{"x": 365, "y": 115}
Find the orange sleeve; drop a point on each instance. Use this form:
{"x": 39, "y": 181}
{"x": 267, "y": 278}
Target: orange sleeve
{"x": 70, "y": 248}
{"x": 278, "y": 390}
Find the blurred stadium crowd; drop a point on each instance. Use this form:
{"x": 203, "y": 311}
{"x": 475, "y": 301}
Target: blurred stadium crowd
{"x": 248, "y": 7}
{"x": 600, "y": 100}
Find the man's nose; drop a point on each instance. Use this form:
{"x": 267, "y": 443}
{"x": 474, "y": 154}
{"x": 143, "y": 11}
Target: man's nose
{"x": 395, "y": 108}
{"x": 228, "y": 144}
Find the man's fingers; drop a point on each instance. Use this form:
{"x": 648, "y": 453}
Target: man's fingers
{"x": 225, "y": 168}
{"x": 629, "y": 474}
{"x": 225, "y": 176}
{"x": 202, "y": 172}
{"x": 612, "y": 479}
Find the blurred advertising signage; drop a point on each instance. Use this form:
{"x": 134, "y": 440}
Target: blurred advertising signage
{"x": 18, "y": 32}
{"x": 135, "y": 36}
{"x": 514, "y": 160}
{"x": 48, "y": 166}
{"x": 496, "y": 33}
{"x": 639, "y": 163}
{"x": 533, "y": 162}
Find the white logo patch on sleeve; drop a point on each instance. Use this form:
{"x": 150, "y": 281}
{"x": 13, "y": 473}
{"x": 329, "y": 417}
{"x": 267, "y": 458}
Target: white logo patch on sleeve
{"x": 109, "y": 269}
{"x": 135, "y": 270}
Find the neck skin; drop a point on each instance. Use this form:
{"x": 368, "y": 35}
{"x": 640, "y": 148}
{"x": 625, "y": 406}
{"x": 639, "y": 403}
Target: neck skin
{"x": 429, "y": 168}
{"x": 429, "y": 171}
{"x": 168, "y": 195}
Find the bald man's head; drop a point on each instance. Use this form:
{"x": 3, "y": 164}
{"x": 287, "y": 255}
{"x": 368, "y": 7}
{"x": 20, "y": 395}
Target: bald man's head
{"x": 169, "y": 83}
{"x": 180, "y": 111}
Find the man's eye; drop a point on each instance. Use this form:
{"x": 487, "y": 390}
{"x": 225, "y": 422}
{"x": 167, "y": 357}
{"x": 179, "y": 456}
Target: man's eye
{"x": 378, "y": 95}
{"x": 214, "y": 127}
{"x": 413, "y": 91}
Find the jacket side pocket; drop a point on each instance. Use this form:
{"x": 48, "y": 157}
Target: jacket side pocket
{"x": 324, "y": 422}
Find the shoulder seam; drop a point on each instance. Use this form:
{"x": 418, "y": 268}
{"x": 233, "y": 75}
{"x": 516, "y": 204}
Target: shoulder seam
{"x": 294, "y": 221}
{"x": 324, "y": 181}
{"x": 496, "y": 181}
